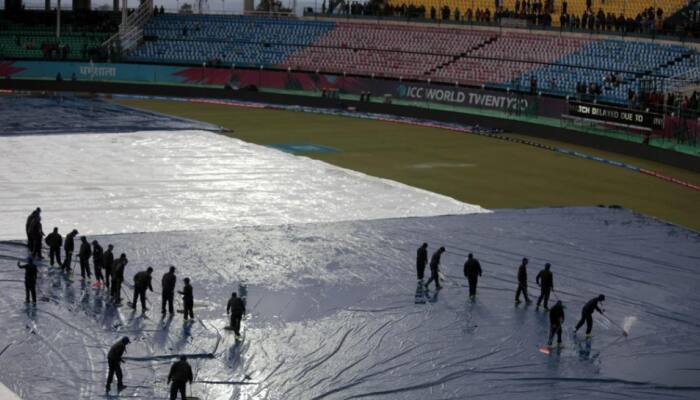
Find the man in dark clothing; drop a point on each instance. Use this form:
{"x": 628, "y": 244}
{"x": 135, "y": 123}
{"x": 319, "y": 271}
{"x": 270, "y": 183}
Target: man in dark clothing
{"x": 118, "y": 278}
{"x": 587, "y": 314}
{"x": 180, "y": 374}
{"x": 97, "y": 257}
{"x": 188, "y": 299}
{"x": 30, "y": 273}
{"x": 108, "y": 263}
{"x": 236, "y": 309}
{"x": 422, "y": 260}
{"x": 472, "y": 271}
{"x": 522, "y": 282}
{"x": 84, "y": 256}
{"x": 556, "y": 320}
{"x": 545, "y": 280}
{"x": 27, "y": 226}
{"x": 54, "y": 240}
{"x": 435, "y": 268}
{"x": 114, "y": 360}
{"x": 36, "y": 232}
{"x": 142, "y": 282}
{"x": 68, "y": 247}
{"x": 168, "y": 285}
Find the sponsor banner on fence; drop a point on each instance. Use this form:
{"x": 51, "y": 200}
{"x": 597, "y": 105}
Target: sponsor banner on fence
{"x": 624, "y": 116}
{"x": 416, "y": 92}
{"x": 88, "y": 71}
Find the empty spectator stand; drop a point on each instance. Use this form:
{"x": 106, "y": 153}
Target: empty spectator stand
{"x": 508, "y": 59}
{"x": 597, "y": 60}
{"x": 391, "y": 50}
{"x": 228, "y": 39}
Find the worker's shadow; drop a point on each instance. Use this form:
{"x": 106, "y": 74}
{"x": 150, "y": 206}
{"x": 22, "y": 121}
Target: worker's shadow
{"x": 160, "y": 338}
{"x": 584, "y": 350}
{"x": 31, "y": 311}
{"x": 434, "y": 296}
{"x": 234, "y": 354}
{"x": 56, "y": 277}
{"x": 109, "y": 316}
{"x": 185, "y": 335}
{"x": 85, "y": 294}
{"x": 69, "y": 293}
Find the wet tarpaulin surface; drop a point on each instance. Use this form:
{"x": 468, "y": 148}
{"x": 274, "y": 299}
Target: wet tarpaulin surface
{"x": 187, "y": 180}
{"x": 27, "y": 115}
{"x": 332, "y": 312}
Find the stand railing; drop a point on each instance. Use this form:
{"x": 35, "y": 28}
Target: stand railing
{"x": 130, "y": 31}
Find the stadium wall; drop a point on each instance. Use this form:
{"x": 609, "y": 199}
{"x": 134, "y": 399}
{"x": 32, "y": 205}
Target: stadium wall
{"x": 419, "y": 92}
{"x": 188, "y": 82}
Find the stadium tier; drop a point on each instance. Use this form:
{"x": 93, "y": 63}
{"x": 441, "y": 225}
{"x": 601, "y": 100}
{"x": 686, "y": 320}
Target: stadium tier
{"x": 507, "y": 58}
{"x": 33, "y": 35}
{"x": 20, "y": 44}
{"x": 238, "y": 40}
{"x": 386, "y": 50}
{"x": 516, "y": 60}
{"x": 629, "y": 61}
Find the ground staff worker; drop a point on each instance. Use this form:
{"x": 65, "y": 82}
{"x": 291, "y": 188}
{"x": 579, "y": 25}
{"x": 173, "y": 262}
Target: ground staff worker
{"x": 522, "y": 282}
{"x": 180, "y": 374}
{"x": 54, "y": 241}
{"x": 472, "y": 271}
{"x": 30, "y": 273}
{"x": 546, "y": 281}
{"x": 435, "y": 268}
{"x": 114, "y": 360}
{"x": 587, "y": 314}
{"x": 168, "y": 284}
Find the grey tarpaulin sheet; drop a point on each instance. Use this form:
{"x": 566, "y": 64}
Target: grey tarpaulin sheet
{"x": 26, "y": 115}
{"x": 332, "y": 312}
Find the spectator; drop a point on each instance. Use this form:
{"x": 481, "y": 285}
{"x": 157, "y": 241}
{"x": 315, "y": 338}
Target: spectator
{"x": 445, "y": 12}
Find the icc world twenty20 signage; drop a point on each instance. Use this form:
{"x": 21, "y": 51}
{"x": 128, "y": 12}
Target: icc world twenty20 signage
{"x": 469, "y": 97}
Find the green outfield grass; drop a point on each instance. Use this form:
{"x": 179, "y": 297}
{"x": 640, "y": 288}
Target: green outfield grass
{"x": 478, "y": 170}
